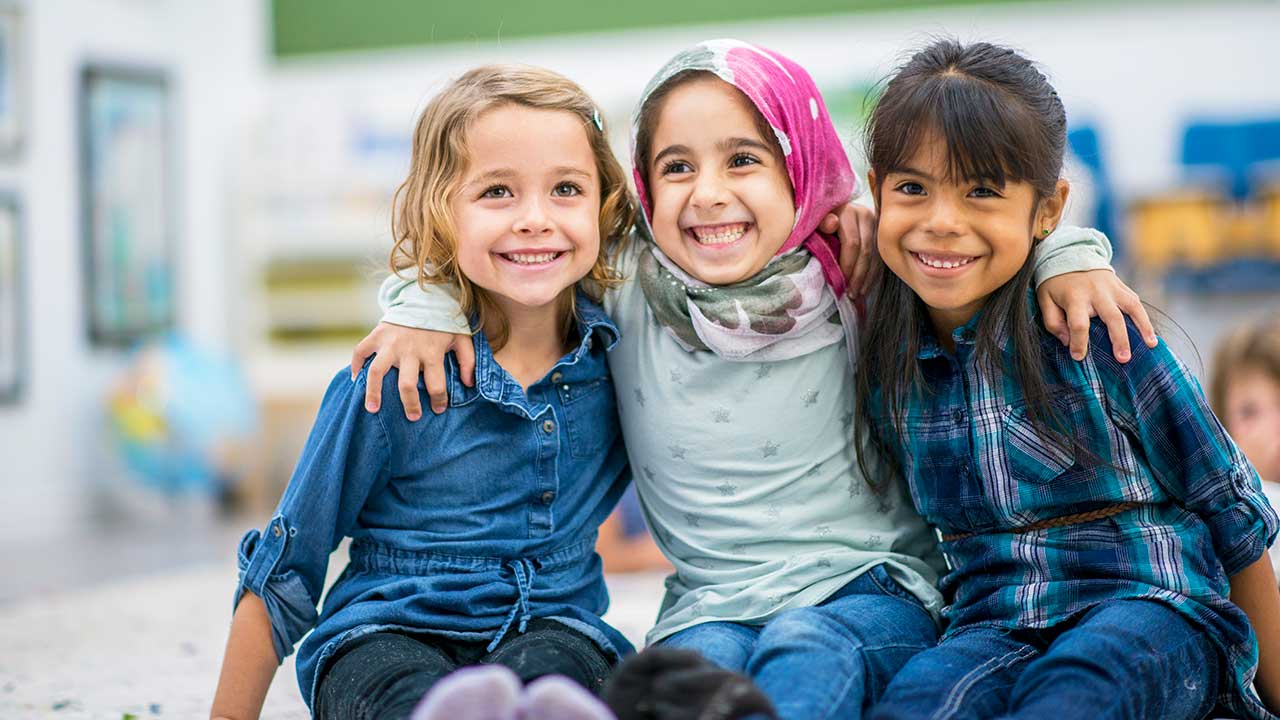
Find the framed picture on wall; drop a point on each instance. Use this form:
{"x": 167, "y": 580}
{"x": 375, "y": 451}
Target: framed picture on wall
{"x": 12, "y": 80}
{"x": 13, "y": 341}
{"x": 127, "y": 203}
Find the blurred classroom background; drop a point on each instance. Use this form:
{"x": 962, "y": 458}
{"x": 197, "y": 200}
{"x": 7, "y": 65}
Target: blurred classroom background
{"x": 195, "y": 210}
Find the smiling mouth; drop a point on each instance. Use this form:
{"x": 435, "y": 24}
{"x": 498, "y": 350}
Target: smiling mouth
{"x": 718, "y": 234}
{"x": 540, "y": 258}
{"x": 943, "y": 262}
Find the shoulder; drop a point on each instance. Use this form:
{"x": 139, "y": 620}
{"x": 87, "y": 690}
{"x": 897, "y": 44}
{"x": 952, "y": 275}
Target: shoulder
{"x": 352, "y": 392}
{"x": 1149, "y": 368}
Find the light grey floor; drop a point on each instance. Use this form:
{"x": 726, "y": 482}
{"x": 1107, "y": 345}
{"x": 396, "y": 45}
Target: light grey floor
{"x": 134, "y": 622}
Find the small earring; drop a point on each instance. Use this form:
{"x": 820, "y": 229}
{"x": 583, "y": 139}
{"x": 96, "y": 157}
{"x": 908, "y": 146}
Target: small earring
{"x": 1044, "y": 231}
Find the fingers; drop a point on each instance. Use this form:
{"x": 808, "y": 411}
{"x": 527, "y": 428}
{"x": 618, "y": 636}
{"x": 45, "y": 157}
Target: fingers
{"x": 437, "y": 392}
{"x": 362, "y": 350}
{"x": 1055, "y": 320}
{"x": 465, "y": 351}
{"x": 850, "y": 243}
{"x": 829, "y": 224}
{"x": 373, "y": 386}
{"x": 408, "y": 386}
{"x": 1078, "y": 313}
{"x": 1132, "y": 306}
{"x": 1119, "y": 332}
{"x": 866, "y": 227}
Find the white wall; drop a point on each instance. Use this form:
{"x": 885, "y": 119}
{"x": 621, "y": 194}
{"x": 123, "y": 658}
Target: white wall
{"x": 1139, "y": 70}
{"x": 214, "y": 54}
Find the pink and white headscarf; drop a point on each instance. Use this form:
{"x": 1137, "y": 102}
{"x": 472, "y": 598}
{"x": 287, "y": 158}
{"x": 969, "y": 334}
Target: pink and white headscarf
{"x": 807, "y": 292}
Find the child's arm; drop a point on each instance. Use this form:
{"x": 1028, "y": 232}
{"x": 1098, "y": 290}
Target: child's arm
{"x": 249, "y": 664}
{"x": 1253, "y": 590}
{"x": 1075, "y": 282}
{"x": 282, "y": 568}
{"x": 418, "y": 328}
{"x": 1155, "y": 399}
{"x": 420, "y": 325}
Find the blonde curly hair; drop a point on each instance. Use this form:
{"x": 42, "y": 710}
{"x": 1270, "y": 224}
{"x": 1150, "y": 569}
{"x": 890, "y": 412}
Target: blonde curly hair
{"x": 421, "y": 223}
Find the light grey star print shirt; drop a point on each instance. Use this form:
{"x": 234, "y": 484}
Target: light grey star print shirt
{"x": 747, "y": 472}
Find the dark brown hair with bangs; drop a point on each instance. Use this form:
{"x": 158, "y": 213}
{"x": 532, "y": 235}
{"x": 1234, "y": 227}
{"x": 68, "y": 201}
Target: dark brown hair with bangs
{"x": 1000, "y": 121}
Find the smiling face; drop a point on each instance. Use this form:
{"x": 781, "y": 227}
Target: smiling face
{"x": 527, "y": 211}
{"x": 721, "y": 198}
{"x": 956, "y": 241}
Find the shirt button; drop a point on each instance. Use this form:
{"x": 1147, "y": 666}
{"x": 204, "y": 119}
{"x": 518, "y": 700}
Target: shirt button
{"x": 548, "y": 426}
{"x": 275, "y": 530}
{"x": 556, "y": 377}
{"x": 958, "y": 417}
{"x": 548, "y": 497}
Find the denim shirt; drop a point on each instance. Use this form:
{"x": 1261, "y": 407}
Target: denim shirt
{"x": 977, "y": 465}
{"x": 464, "y": 525}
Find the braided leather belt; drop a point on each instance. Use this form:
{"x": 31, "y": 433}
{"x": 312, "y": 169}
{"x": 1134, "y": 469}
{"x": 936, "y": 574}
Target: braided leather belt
{"x": 1063, "y": 521}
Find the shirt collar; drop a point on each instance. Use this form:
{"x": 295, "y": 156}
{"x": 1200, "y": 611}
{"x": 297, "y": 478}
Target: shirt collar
{"x": 966, "y": 335}
{"x": 490, "y": 383}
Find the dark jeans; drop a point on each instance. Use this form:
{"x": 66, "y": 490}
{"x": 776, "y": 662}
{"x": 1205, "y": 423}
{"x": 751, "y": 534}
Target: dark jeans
{"x": 385, "y": 674}
{"x": 1124, "y": 659}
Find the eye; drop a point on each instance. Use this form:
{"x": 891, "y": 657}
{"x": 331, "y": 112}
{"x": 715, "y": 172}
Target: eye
{"x": 910, "y": 188}
{"x": 497, "y": 191}
{"x": 743, "y": 160}
{"x": 1248, "y": 411}
{"x": 983, "y": 191}
{"x": 676, "y": 166}
{"x": 566, "y": 189}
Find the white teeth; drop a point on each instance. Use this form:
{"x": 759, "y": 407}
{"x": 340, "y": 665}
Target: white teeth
{"x": 722, "y": 237}
{"x": 531, "y": 258}
{"x": 943, "y": 264}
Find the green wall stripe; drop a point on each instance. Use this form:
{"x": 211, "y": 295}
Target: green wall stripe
{"x": 303, "y": 27}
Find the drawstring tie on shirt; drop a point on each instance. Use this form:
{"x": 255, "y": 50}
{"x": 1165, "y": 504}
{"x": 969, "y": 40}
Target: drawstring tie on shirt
{"x": 524, "y": 570}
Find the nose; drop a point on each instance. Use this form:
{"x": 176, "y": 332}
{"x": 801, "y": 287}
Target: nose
{"x": 709, "y": 191}
{"x": 945, "y": 217}
{"x": 533, "y": 219}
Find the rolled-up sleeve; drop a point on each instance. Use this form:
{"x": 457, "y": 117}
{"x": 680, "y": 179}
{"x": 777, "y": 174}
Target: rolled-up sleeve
{"x": 1071, "y": 249}
{"x": 1191, "y": 455}
{"x": 343, "y": 462}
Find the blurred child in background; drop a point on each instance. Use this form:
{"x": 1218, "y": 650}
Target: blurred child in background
{"x": 1245, "y": 392}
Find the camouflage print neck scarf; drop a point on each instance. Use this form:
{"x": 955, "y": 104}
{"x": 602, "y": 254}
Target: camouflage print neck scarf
{"x": 786, "y": 310}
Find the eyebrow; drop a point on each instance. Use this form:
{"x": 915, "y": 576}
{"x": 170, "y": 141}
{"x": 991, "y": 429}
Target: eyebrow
{"x": 722, "y": 145}
{"x": 908, "y": 170}
{"x": 507, "y": 173}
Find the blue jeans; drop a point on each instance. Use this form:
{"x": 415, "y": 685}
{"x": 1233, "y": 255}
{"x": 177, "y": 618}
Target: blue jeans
{"x": 1123, "y": 659}
{"x": 828, "y": 661}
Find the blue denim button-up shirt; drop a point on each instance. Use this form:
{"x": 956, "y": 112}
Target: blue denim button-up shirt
{"x": 464, "y": 525}
{"x": 976, "y": 464}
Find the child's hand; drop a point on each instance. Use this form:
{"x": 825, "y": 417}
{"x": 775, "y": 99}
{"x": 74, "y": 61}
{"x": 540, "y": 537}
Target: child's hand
{"x": 855, "y": 226}
{"x": 1069, "y": 300}
{"x": 412, "y": 351}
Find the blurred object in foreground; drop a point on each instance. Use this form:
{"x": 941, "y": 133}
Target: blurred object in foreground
{"x": 182, "y": 420}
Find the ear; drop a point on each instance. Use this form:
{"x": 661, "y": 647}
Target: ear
{"x": 875, "y": 189}
{"x": 1049, "y": 213}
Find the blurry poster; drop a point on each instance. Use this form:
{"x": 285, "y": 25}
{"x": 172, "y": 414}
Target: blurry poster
{"x": 12, "y": 343}
{"x": 128, "y": 201}
{"x": 11, "y": 74}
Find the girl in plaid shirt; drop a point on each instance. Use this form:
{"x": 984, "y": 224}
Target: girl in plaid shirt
{"x": 1106, "y": 540}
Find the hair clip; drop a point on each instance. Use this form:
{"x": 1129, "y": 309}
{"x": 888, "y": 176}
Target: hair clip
{"x": 595, "y": 118}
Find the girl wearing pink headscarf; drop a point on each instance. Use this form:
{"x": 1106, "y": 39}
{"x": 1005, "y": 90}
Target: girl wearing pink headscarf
{"x": 735, "y": 394}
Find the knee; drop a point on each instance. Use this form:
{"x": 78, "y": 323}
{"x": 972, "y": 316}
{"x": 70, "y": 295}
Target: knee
{"x": 807, "y": 628}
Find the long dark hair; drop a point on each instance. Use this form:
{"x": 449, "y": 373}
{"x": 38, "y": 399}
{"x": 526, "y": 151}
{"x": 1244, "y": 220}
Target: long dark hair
{"x": 1000, "y": 120}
